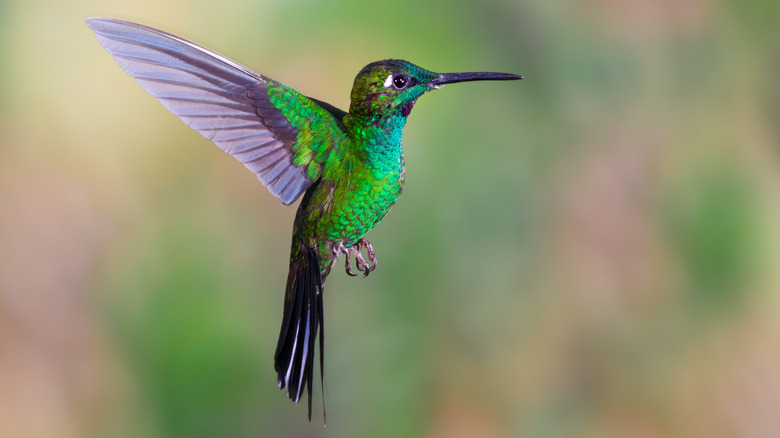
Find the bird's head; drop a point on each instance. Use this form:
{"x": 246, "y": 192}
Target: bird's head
{"x": 391, "y": 87}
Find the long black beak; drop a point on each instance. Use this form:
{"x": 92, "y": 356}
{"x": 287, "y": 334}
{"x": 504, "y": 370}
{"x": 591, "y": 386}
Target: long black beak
{"x": 449, "y": 78}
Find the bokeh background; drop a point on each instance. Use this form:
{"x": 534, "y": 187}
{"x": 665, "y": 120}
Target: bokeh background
{"x": 591, "y": 252}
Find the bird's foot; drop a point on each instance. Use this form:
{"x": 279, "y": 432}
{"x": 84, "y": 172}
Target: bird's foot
{"x": 362, "y": 265}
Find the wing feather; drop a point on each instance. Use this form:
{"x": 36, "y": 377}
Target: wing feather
{"x": 226, "y": 102}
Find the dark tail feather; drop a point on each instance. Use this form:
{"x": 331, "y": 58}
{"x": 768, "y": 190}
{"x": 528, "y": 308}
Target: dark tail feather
{"x": 303, "y": 316}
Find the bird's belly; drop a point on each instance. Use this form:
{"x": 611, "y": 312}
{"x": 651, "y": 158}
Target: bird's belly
{"x": 358, "y": 205}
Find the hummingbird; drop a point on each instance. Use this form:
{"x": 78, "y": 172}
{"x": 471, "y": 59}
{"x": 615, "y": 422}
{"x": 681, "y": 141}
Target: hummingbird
{"x": 349, "y": 166}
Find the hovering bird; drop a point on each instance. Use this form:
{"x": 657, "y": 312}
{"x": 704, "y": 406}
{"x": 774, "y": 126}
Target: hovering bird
{"x": 349, "y": 166}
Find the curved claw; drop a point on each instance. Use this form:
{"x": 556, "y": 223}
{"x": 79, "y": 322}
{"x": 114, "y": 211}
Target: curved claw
{"x": 361, "y": 262}
{"x": 364, "y": 267}
{"x": 348, "y": 266}
{"x": 371, "y": 255}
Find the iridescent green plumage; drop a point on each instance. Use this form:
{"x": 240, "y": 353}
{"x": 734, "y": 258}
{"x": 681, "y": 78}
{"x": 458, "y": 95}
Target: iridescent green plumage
{"x": 348, "y": 166}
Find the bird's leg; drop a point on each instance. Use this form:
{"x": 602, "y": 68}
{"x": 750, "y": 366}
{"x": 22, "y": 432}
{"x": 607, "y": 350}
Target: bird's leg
{"x": 360, "y": 261}
{"x": 338, "y": 250}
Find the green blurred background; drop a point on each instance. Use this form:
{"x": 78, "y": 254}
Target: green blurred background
{"x": 591, "y": 252}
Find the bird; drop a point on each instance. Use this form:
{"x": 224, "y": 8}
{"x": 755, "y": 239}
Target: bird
{"x": 348, "y": 165}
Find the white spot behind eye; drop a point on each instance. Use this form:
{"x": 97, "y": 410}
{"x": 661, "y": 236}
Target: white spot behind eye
{"x": 388, "y": 81}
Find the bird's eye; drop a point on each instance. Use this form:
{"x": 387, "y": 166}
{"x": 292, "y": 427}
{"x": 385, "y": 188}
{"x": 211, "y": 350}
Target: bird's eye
{"x": 400, "y": 81}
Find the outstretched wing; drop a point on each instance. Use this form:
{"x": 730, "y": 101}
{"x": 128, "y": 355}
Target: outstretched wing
{"x": 279, "y": 134}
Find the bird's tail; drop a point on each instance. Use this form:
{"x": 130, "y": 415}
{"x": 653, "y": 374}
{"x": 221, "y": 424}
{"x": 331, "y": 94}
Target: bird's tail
{"x": 294, "y": 358}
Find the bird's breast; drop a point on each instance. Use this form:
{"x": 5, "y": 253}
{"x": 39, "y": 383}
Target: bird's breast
{"x": 360, "y": 199}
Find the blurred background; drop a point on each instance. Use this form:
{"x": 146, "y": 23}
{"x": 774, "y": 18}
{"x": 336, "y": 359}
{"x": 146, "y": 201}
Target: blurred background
{"x": 590, "y": 252}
